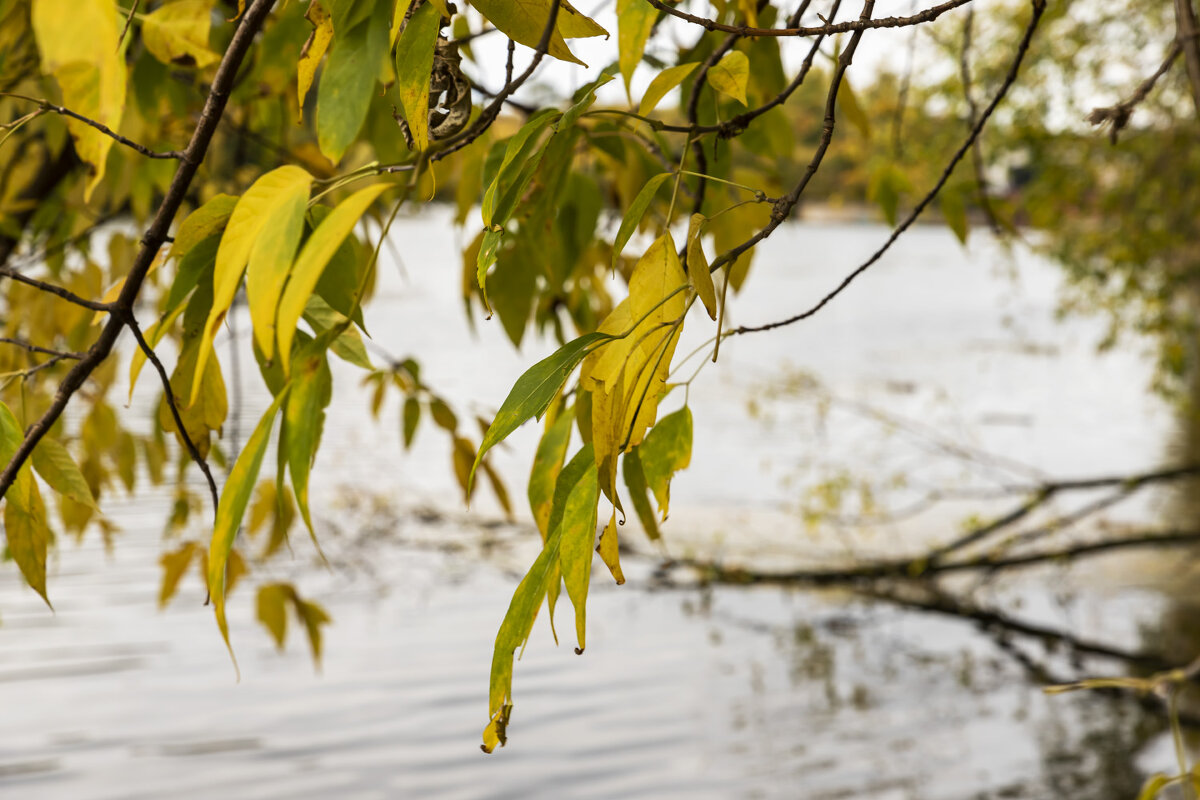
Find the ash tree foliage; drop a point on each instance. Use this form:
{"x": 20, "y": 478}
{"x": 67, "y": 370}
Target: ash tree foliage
{"x": 161, "y": 161}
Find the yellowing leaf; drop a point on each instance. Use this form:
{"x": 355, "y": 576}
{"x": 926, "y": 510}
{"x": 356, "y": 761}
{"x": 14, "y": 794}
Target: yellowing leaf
{"x": 664, "y": 82}
{"x": 201, "y": 223}
{"x": 730, "y": 74}
{"x": 270, "y": 260}
{"x": 174, "y": 566}
{"x": 313, "y": 617}
{"x": 312, "y": 389}
{"x": 80, "y": 45}
{"x": 666, "y": 450}
{"x": 272, "y": 610}
{"x": 177, "y": 33}
{"x": 635, "y": 481}
{"x": 257, "y": 208}
{"x": 523, "y": 21}
{"x": 414, "y": 63}
{"x": 547, "y": 463}
{"x": 315, "y": 254}
{"x": 573, "y": 24}
{"x": 313, "y": 51}
{"x": 608, "y": 550}
{"x": 635, "y": 23}
{"x": 232, "y": 508}
{"x": 848, "y": 103}
{"x": 348, "y": 81}
{"x": 533, "y": 391}
{"x": 60, "y": 472}
{"x": 697, "y": 266}
{"x": 577, "y": 534}
{"x": 25, "y": 525}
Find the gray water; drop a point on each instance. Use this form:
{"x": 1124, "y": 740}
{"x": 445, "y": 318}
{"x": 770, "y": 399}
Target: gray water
{"x": 698, "y": 693}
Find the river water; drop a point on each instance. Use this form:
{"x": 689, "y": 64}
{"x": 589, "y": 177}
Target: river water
{"x": 943, "y": 367}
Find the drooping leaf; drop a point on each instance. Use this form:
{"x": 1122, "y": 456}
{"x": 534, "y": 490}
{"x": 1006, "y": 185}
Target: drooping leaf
{"x": 231, "y": 509}
{"x": 411, "y": 417}
{"x": 730, "y": 75}
{"x": 521, "y": 157}
{"x": 954, "y": 210}
{"x": 848, "y": 104}
{"x": 522, "y": 611}
{"x": 348, "y": 346}
{"x": 270, "y": 261}
{"x": 313, "y": 51}
{"x": 635, "y": 23}
{"x": 609, "y": 550}
{"x": 635, "y": 212}
{"x": 177, "y": 33}
{"x": 534, "y": 390}
{"x": 313, "y": 617}
{"x": 202, "y": 223}
{"x": 663, "y": 83}
{"x": 414, "y": 63}
{"x": 174, "y": 566}
{"x": 60, "y": 472}
{"x": 79, "y": 41}
{"x": 635, "y": 481}
{"x": 268, "y": 196}
{"x": 577, "y": 534}
{"x": 304, "y": 412}
{"x": 313, "y": 258}
{"x": 586, "y": 96}
{"x": 666, "y": 450}
{"x": 524, "y": 21}
{"x": 25, "y": 525}
{"x": 697, "y": 266}
{"x": 271, "y": 608}
{"x": 547, "y": 463}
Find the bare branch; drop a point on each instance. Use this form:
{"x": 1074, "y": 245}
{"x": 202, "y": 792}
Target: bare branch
{"x": 58, "y": 291}
{"x": 1118, "y": 116}
{"x": 33, "y": 348}
{"x": 858, "y": 25}
{"x": 107, "y": 131}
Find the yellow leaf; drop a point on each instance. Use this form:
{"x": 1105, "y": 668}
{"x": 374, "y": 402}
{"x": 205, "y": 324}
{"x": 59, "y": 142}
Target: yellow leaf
{"x": 313, "y": 51}
{"x": 254, "y": 210}
{"x": 25, "y": 527}
{"x": 414, "y": 63}
{"x": 730, "y": 74}
{"x": 315, "y": 254}
{"x": 607, "y": 548}
{"x": 664, "y": 82}
{"x": 272, "y": 611}
{"x": 524, "y": 21}
{"x": 271, "y": 260}
{"x": 80, "y": 45}
{"x": 697, "y": 266}
{"x": 635, "y": 23}
{"x": 174, "y": 566}
{"x": 177, "y": 33}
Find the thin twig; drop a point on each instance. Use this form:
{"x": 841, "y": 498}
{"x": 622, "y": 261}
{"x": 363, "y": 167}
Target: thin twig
{"x": 107, "y": 131}
{"x": 856, "y": 26}
{"x": 57, "y": 291}
{"x": 33, "y": 348}
{"x": 1118, "y": 116}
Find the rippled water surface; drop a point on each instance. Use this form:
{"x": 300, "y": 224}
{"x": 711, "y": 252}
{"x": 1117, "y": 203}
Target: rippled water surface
{"x": 716, "y": 693}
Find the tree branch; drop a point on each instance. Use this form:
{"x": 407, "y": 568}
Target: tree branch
{"x": 46, "y": 105}
{"x": 58, "y": 291}
{"x": 856, "y": 26}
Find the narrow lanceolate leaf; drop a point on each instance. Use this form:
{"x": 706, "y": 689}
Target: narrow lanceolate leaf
{"x": 608, "y": 548}
{"x": 414, "y": 63}
{"x": 232, "y": 508}
{"x": 848, "y": 104}
{"x": 697, "y": 266}
{"x": 411, "y": 418}
{"x": 587, "y": 97}
{"x": 664, "y": 82}
{"x": 348, "y": 81}
{"x": 547, "y": 463}
{"x": 313, "y": 617}
{"x": 523, "y": 609}
{"x": 312, "y": 52}
{"x": 202, "y": 223}
{"x": 254, "y": 211}
{"x": 270, "y": 261}
{"x": 635, "y": 481}
{"x": 60, "y": 472}
{"x": 177, "y": 33}
{"x": 79, "y": 42}
{"x": 730, "y": 75}
{"x": 637, "y": 210}
{"x": 271, "y": 608}
{"x": 25, "y": 525}
{"x": 521, "y": 157}
{"x": 315, "y": 254}
{"x": 533, "y": 391}
{"x": 666, "y": 450}
{"x": 174, "y": 566}
{"x": 525, "y": 20}
{"x": 312, "y": 389}
{"x": 577, "y": 534}
{"x": 635, "y": 23}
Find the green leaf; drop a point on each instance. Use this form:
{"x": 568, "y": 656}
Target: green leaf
{"x": 666, "y": 450}
{"x": 489, "y": 249}
{"x": 848, "y": 103}
{"x": 313, "y": 51}
{"x": 697, "y": 266}
{"x": 60, "y": 472}
{"x": 349, "y": 345}
{"x": 635, "y": 480}
{"x": 521, "y": 157}
{"x": 304, "y": 413}
{"x": 729, "y": 75}
{"x": 637, "y": 210}
{"x": 231, "y": 509}
{"x": 586, "y": 97}
{"x": 348, "y": 81}
{"x": 414, "y": 64}
{"x": 313, "y": 258}
{"x": 635, "y": 23}
{"x": 523, "y": 608}
{"x": 664, "y": 82}
{"x": 533, "y": 391}
{"x": 954, "y": 211}
{"x": 547, "y": 464}
{"x": 412, "y": 416}
{"x": 577, "y": 534}
{"x": 256, "y": 209}
{"x": 177, "y": 33}
{"x": 202, "y": 223}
